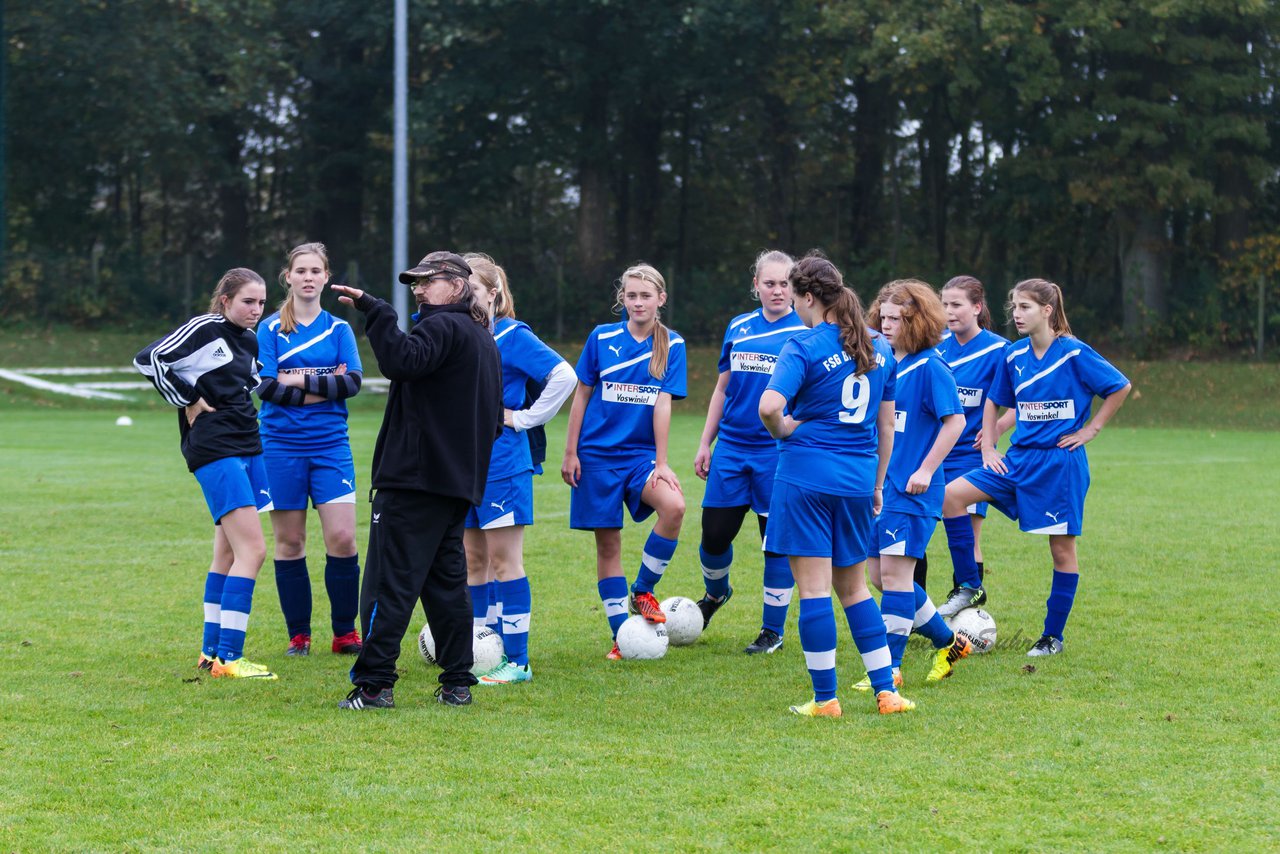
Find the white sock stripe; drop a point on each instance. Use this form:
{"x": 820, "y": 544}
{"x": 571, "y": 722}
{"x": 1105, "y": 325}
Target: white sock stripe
{"x": 877, "y": 658}
{"x": 515, "y": 624}
{"x": 478, "y": 622}
{"x": 714, "y": 574}
{"x": 491, "y": 613}
{"x": 777, "y": 595}
{"x": 896, "y": 625}
{"x": 924, "y": 614}
{"x": 823, "y": 660}
{"x": 236, "y": 621}
{"x": 654, "y": 564}
{"x": 213, "y": 612}
{"x": 613, "y": 607}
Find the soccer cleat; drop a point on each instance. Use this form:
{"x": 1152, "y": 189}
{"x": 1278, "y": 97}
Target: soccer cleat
{"x": 348, "y": 644}
{"x": 646, "y": 606}
{"x": 814, "y": 709}
{"x": 769, "y": 642}
{"x": 615, "y": 654}
{"x": 945, "y": 660}
{"x": 299, "y": 645}
{"x": 1045, "y": 646}
{"x": 961, "y": 598}
{"x": 241, "y": 668}
{"x": 359, "y": 699}
{"x": 865, "y": 683}
{"x": 708, "y": 605}
{"x": 453, "y": 695}
{"x": 507, "y": 673}
{"x": 204, "y": 662}
{"x": 891, "y": 702}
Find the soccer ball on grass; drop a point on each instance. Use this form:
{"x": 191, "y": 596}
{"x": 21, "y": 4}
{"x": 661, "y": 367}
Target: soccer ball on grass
{"x": 486, "y": 649}
{"x": 977, "y": 625}
{"x": 639, "y": 638}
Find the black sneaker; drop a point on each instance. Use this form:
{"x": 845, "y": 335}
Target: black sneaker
{"x": 453, "y": 695}
{"x": 961, "y": 598}
{"x": 708, "y": 605}
{"x": 358, "y": 700}
{"x": 769, "y": 642}
{"x": 1045, "y": 646}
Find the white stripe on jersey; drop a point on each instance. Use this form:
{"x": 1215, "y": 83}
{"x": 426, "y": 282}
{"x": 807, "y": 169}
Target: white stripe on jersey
{"x": 744, "y": 319}
{"x": 969, "y": 358}
{"x": 1016, "y": 351}
{"x": 505, "y": 332}
{"x": 1045, "y": 372}
{"x": 175, "y": 340}
{"x": 604, "y": 335}
{"x": 824, "y": 660}
{"x": 625, "y": 364}
{"x": 902, "y": 373}
{"x": 296, "y": 350}
{"x": 738, "y": 341}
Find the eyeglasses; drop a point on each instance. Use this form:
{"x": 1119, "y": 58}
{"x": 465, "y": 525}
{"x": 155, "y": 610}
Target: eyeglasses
{"x": 430, "y": 279}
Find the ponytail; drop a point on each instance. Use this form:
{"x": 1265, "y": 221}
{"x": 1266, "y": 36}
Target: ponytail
{"x": 815, "y": 275}
{"x": 661, "y": 335}
{"x": 1047, "y": 293}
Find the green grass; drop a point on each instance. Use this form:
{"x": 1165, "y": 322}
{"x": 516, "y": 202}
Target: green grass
{"x": 1154, "y": 730}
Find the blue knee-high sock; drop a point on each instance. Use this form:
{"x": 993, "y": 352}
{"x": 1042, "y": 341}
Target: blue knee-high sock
{"x": 658, "y": 551}
{"x": 818, "y": 640}
{"x": 778, "y": 584}
{"x": 867, "y": 627}
{"x": 715, "y": 572}
{"x": 342, "y": 580}
{"x": 237, "y": 602}
{"x": 898, "y": 608}
{"x": 613, "y": 593}
{"x": 213, "y": 584}
{"x": 516, "y": 601}
{"x": 494, "y": 616}
{"x": 479, "y": 604}
{"x": 964, "y": 569}
{"x": 294, "y": 586}
{"x": 1058, "y": 606}
{"x": 929, "y": 622}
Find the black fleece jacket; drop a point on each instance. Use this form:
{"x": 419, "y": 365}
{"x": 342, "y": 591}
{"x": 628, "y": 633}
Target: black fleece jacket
{"x": 444, "y": 409}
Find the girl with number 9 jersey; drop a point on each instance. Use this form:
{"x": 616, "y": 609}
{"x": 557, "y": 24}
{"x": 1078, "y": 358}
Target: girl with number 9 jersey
{"x": 837, "y": 379}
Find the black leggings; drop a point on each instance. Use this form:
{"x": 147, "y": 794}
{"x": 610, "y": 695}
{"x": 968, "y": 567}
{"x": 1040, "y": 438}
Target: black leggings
{"x": 720, "y": 526}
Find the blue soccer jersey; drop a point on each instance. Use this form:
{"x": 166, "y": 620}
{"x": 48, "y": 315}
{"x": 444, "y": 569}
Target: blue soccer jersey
{"x": 524, "y": 358}
{"x": 974, "y": 367}
{"x": 619, "y": 416}
{"x": 1053, "y": 394}
{"x": 926, "y": 394}
{"x": 749, "y": 352}
{"x": 834, "y": 450}
{"x": 316, "y": 348}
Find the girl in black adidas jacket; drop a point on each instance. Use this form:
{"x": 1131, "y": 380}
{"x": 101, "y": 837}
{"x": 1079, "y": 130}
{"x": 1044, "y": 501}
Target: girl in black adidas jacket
{"x": 430, "y": 464}
{"x": 207, "y": 368}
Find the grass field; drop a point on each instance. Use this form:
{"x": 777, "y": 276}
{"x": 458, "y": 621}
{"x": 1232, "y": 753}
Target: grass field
{"x": 1155, "y": 729}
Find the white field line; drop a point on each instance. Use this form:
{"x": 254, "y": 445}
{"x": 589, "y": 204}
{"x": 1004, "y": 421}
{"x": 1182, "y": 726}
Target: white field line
{"x": 107, "y": 390}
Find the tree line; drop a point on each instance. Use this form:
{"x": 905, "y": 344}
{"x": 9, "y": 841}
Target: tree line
{"x": 1127, "y": 150}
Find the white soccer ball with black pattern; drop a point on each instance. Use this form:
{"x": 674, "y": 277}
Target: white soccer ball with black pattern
{"x": 684, "y": 620}
{"x": 977, "y": 625}
{"x": 640, "y": 639}
{"x": 486, "y": 649}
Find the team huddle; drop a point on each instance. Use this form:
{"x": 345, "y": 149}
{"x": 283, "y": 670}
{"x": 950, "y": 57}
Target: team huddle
{"x": 848, "y": 432}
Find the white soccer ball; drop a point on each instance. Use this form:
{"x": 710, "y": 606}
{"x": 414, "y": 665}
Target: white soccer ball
{"x": 486, "y": 649}
{"x": 684, "y": 620}
{"x": 639, "y": 638}
{"x": 124, "y": 421}
{"x": 978, "y": 626}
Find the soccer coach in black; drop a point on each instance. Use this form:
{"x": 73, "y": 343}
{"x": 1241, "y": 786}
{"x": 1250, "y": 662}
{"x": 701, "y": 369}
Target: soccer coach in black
{"x": 430, "y": 464}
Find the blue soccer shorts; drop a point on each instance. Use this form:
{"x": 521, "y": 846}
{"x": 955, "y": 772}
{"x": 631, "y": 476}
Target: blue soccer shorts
{"x": 507, "y": 502}
{"x": 233, "y": 482}
{"x": 325, "y": 477}
{"x": 899, "y": 533}
{"x": 741, "y": 475}
{"x": 805, "y": 523}
{"x": 1044, "y": 489}
{"x": 601, "y": 493}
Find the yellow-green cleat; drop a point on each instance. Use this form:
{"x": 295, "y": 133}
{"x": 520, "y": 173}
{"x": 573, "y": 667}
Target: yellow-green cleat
{"x": 865, "y": 683}
{"x": 814, "y": 709}
{"x": 241, "y": 668}
{"x": 891, "y": 702}
{"x": 945, "y": 661}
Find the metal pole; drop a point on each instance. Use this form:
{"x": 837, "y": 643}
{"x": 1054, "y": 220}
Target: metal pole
{"x": 1262, "y": 312}
{"x": 400, "y": 178}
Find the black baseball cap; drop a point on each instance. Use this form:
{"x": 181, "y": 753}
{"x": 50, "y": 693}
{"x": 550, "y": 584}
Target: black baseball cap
{"x": 435, "y": 263}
